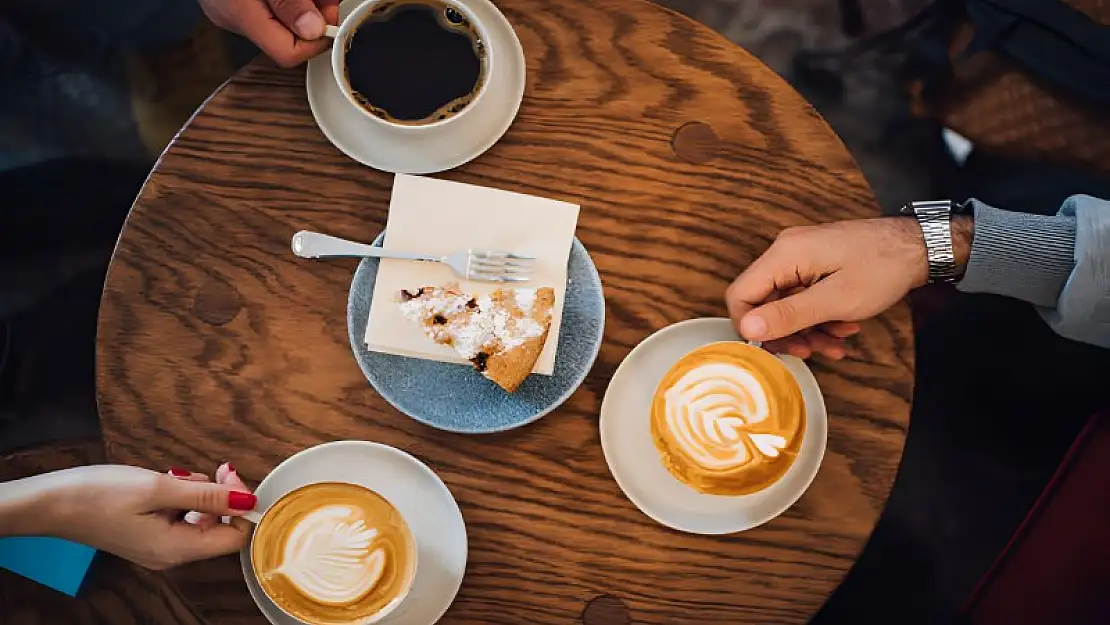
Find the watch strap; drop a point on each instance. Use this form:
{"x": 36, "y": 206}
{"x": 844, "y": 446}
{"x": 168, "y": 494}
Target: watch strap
{"x": 935, "y": 219}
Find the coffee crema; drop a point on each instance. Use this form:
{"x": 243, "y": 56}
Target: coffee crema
{"x": 333, "y": 553}
{"x": 728, "y": 419}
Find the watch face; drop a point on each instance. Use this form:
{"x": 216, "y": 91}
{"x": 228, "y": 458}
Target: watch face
{"x": 931, "y": 206}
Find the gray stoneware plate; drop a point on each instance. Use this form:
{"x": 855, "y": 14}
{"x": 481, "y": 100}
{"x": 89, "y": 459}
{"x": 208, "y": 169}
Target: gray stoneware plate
{"x": 456, "y": 398}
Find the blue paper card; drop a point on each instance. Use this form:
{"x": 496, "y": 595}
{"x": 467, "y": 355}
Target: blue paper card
{"x": 59, "y": 564}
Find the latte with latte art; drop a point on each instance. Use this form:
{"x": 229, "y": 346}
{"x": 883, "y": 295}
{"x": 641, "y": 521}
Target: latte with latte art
{"x": 333, "y": 554}
{"x": 728, "y": 419}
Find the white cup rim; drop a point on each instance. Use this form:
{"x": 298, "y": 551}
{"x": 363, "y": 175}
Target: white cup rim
{"x": 356, "y": 17}
{"x": 386, "y": 610}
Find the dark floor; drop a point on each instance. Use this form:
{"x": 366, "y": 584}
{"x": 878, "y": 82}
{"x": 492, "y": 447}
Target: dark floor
{"x": 990, "y": 419}
{"x": 869, "y": 113}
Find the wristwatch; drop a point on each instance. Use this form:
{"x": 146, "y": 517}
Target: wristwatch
{"x": 935, "y": 219}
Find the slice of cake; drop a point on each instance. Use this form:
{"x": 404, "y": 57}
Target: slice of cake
{"x": 502, "y": 333}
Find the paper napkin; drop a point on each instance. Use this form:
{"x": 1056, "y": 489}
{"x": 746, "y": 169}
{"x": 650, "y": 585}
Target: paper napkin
{"x": 431, "y": 216}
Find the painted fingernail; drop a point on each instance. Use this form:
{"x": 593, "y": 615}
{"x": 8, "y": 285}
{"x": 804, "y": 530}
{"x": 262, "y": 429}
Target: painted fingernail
{"x": 230, "y": 467}
{"x": 177, "y": 472}
{"x": 241, "y": 501}
{"x": 310, "y": 25}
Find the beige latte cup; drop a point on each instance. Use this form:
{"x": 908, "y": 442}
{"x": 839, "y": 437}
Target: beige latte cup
{"x": 728, "y": 419}
{"x": 333, "y": 553}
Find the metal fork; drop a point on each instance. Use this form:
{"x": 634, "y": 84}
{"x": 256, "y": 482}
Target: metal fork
{"x": 474, "y": 264}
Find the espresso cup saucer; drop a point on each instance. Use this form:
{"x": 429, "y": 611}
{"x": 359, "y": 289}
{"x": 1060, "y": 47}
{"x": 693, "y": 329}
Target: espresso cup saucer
{"x": 636, "y": 464}
{"x": 436, "y": 150}
{"x": 414, "y": 489}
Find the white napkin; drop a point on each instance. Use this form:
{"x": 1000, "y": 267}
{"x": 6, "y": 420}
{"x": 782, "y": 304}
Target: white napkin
{"x": 431, "y": 216}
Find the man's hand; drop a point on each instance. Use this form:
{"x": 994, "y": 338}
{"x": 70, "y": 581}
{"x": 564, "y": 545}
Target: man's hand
{"x": 803, "y": 295}
{"x": 289, "y": 31}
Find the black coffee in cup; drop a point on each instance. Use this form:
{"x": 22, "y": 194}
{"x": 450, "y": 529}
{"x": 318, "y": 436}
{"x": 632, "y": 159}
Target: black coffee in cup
{"x": 415, "y": 61}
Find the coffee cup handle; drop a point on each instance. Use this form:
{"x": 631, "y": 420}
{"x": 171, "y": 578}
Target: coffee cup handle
{"x": 246, "y": 522}
{"x": 331, "y": 32}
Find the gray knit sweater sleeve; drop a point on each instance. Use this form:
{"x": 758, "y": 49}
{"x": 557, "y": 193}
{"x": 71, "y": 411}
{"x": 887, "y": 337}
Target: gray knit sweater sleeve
{"x": 1061, "y": 264}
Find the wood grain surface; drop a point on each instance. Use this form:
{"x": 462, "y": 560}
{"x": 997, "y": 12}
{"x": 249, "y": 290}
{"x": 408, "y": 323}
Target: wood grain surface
{"x": 114, "y": 591}
{"x": 686, "y": 155}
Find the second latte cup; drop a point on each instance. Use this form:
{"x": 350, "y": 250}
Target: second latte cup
{"x": 341, "y": 36}
{"x": 333, "y": 550}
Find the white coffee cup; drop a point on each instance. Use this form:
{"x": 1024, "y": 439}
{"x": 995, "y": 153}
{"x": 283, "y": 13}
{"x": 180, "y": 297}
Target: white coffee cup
{"x": 341, "y": 35}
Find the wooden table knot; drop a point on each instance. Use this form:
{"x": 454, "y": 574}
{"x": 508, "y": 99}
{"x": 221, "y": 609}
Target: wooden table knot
{"x": 606, "y": 610}
{"x": 217, "y": 302}
{"x": 696, "y": 142}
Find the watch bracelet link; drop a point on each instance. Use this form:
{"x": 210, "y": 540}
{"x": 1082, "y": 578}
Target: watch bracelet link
{"x": 935, "y": 219}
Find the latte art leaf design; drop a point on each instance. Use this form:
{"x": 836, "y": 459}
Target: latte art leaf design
{"x": 728, "y": 419}
{"x": 333, "y": 553}
{"x": 331, "y": 558}
{"x": 708, "y": 411}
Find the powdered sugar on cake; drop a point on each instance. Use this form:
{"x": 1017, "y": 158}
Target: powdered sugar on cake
{"x": 487, "y": 330}
{"x": 473, "y": 325}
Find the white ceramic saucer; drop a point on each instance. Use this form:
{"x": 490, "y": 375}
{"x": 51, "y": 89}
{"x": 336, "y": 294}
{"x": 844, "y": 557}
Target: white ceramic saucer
{"x": 636, "y": 465}
{"x": 417, "y": 492}
{"x": 426, "y": 153}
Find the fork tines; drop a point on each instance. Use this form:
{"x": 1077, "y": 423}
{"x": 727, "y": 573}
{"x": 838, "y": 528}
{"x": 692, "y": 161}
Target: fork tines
{"x": 499, "y": 266}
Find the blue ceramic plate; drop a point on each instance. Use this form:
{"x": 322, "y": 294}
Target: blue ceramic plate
{"x": 454, "y": 397}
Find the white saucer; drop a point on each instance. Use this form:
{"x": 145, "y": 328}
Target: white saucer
{"x": 430, "y": 152}
{"x": 636, "y": 465}
{"x": 417, "y": 492}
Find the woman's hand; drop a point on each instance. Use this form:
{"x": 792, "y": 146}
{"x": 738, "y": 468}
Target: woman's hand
{"x": 288, "y": 31}
{"x": 157, "y": 520}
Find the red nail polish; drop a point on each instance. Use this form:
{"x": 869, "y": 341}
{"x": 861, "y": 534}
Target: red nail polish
{"x": 241, "y": 501}
{"x": 230, "y": 468}
{"x": 176, "y": 472}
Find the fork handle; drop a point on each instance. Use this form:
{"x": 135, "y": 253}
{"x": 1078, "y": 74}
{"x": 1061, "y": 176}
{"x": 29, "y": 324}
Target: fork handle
{"x": 315, "y": 245}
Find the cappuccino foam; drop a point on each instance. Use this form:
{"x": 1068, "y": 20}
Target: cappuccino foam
{"x": 728, "y": 419}
{"x": 333, "y": 553}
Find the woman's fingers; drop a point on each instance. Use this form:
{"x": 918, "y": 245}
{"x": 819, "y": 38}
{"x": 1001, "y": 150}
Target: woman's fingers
{"x": 224, "y": 471}
{"x": 225, "y": 476}
{"x": 188, "y": 516}
{"x": 196, "y": 542}
{"x": 218, "y": 499}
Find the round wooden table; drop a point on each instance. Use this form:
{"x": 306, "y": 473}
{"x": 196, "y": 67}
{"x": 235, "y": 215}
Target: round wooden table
{"x": 687, "y": 156}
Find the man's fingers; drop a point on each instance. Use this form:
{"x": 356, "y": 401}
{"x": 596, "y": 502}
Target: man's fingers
{"x": 790, "y": 315}
{"x": 275, "y": 39}
{"x": 840, "y": 329}
{"x": 279, "y": 44}
{"x": 218, "y": 499}
{"x": 757, "y": 284}
{"x": 302, "y": 17}
{"x": 330, "y": 9}
{"x": 795, "y": 345}
{"x": 790, "y": 264}
{"x": 826, "y": 344}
